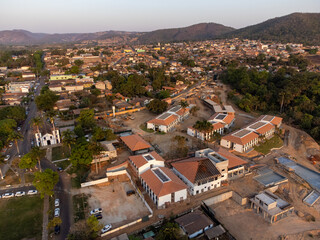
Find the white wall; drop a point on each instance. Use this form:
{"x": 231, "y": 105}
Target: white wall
{"x": 154, "y": 164}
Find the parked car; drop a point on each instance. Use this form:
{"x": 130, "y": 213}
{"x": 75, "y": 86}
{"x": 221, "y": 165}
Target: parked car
{"x": 7, "y": 157}
{"x": 20, "y": 193}
{"x": 95, "y": 211}
{"x": 130, "y": 192}
{"x": 10, "y": 144}
{"x": 19, "y": 128}
{"x": 56, "y": 202}
{"x": 32, "y": 192}
{"x": 56, "y": 229}
{"x": 7, "y": 195}
{"x": 98, "y": 216}
{"x": 106, "y": 228}
{"x": 60, "y": 169}
{"x": 57, "y": 212}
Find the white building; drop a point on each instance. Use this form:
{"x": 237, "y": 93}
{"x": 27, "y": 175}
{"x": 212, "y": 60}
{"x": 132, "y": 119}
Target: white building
{"x": 108, "y": 152}
{"x": 240, "y": 141}
{"x": 217, "y": 127}
{"x": 163, "y": 186}
{"x": 48, "y": 138}
{"x": 143, "y": 162}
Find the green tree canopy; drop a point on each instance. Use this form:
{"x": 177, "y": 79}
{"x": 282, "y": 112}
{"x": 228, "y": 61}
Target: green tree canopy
{"x": 46, "y": 100}
{"x": 80, "y": 155}
{"x": 157, "y": 106}
{"x": 203, "y": 126}
{"x": 86, "y": 119}
{"x": 27, "y": 161}
{"x": 45, "y": 181}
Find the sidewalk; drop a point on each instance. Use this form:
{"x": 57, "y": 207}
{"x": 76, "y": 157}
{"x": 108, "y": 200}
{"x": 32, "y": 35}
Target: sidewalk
{"x": 45, "y": 218}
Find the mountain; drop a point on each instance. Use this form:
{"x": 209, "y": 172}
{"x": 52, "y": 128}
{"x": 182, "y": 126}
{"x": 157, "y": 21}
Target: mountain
{"x": 294, "y": 28}
{"x": 201, "y": 31}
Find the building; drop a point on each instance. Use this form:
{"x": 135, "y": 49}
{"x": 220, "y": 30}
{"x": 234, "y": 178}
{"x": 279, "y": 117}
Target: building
{"x": 108, "y": 152}
{"x": 270, "y": 206}
{"x": 198, "y": 173}
{"x": 57, "y": 77}
{"x": 169, "y": 119}
{"x": 136, "y": 144}
{"x": 227, "y": 119}
{"x": 47, "y": 139}
{"x": 217, "y": 127}
{"x": 143, "y": 162}
{"x": 263, "y": 129}
{"x": 276, "y": 121}
{"x": 163, "y": 186}
{"x": 241, "y": 141}
{"x": 18, "y": 87}
{"x": 217, "y": 108}
{"x": 194, "y": 223}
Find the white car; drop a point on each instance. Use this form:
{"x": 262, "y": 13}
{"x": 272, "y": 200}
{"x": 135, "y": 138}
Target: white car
{"x": 7, "y": 157}
{"x": 32, "y": 192}
{"x": 19, "y": 128}
{"x": 7, "y": 195}
{"x": 95, "y": 211}
{"x": 56, "y": 202}
{"x": 106, "y": 228}
{"x": 10, "y": 144}
{"x": 57, "y": 212}
{"x": 20, "y": 193}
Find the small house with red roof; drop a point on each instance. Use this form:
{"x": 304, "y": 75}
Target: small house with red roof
{"x": 143, "y": 162}
{"x": 136, "y": 144}
{"x": 241, "y": 141}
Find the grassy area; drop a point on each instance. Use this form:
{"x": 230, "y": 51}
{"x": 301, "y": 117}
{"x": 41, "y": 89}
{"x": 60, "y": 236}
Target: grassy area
{"x": 60, "y": 152}
{"x": 29, "y": 177}
{"x": 274, "y": 142}
{"x": 63, "y": 164}
{"x": 80, "y": 206}
{"x": 144, "y": 128}
{"x": 21, "y": 218}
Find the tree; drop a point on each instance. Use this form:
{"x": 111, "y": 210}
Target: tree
{"x": 45, "y": 181}
{"x": 194, "y": 110}
{"x": 80, "y": 154}
{"x": 170, "y": 231}
{"x": 38, "y": 153}
{"x": 15, "y": 137}
{"x": 54, "y": 222}
{"x": 184, "y": 104}
{"x": 94, "y": 226}
{"x": 78, "y": 62}
{"x": 46, "y": 101}
{"x": 86, "y": 119}
{"x": 68, "y": 138}
{"x": 157, "y": 106}
{"x": 51, "y": 114}
{"x": 37, "y": 122}
{"x": 96, "y": 149}
{"x": 27, "y": 161}
{"x": 100, "y": 134}
{"x": 203, "y": 126}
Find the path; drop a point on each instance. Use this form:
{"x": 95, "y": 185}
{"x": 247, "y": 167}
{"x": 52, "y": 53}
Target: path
{"x": 45, "y": 218}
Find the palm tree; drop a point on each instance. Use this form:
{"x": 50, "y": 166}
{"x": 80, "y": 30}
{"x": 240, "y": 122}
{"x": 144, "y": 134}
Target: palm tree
{"x": 68, "y": 138}
{"x": 96, "y": 149}
{"x": 184, "y": 104}
{"x": 38, "y": 153}
{"x": 37, "y": 122}
{"x": 15, "y": 137}
{"x": 51, "y": 114}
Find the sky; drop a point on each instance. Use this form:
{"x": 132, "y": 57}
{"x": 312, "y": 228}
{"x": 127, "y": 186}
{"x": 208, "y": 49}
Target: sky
{"x": 80, "y": 16}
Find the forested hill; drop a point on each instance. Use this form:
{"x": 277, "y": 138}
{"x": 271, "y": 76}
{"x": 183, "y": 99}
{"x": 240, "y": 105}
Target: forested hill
{"x": 295, "y": 28}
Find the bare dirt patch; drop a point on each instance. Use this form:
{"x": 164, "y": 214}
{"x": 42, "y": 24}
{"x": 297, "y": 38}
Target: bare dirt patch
{"x": 117, "y": 208}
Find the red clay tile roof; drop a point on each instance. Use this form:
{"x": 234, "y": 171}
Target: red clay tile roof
{"x": 242, "y": 141}
{"x": 217, "y": 125}
{"x": 165, "y": 122}
{"x": 139, "y": 160}
{"x": 234, "y": 161}
{"x": 196, "y": 168}
{"x": 135, "y": 142}
{"x": 227, "y": 119}
{"x": 267, "y": 127}
{"x": 158, "y": 187}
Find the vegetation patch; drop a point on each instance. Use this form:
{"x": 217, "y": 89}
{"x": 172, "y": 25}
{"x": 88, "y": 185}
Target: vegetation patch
{"x": 29, "y": 177}
{"x": 10, "y": 179}
{"x": 274, "y": 142}
{"x": 63, "y": 164}
{"x": 80, "y": 206}
{"x": 21, "y": 218}
{"x": 60, "y": 152}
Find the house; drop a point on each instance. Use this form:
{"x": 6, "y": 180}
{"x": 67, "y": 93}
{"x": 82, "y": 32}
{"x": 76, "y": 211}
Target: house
{"x": 163, "y": 186}
{"x": 198, "y": 173}
{"x": 108, "y": 152}
{"x": 217, "y": 127}
{"x": 194, "y": 223}
{"x": 136, "y": 144}
{"x": 143, "y": 162}
{"x": 18, "y": 87}
{"x": 225, "y": 118}
{"x": 241, "y": 141}
{"x": 57, "y": 77}
{"x": 169, "y": 119}
{"x": 46, "y": 139}
{"x": 100, "y": 85}
{"x": 276, "y": 121}
{"x": 263, "y": 129}
{"x": 270, "y": 206}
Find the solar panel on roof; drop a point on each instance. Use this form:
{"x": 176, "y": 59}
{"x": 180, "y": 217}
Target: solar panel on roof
{"x": 256, "y": 125}
{"x": 268, "y": 118}
{"x": 241, "y": 133}
{"x": 164, "y": 116}
{"x": 161, "y": 175}
{"x": 221, "y": 116}
{"x": 148, "y": 157}
{"x": 175, "y": 109}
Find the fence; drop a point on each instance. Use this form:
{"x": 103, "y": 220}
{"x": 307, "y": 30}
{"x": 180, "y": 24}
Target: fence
{"x": 220, "y": 198}
{"x": 95, "y": 182}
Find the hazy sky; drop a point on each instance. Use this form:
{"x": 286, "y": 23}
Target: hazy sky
{"x": 61, "y": 16}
